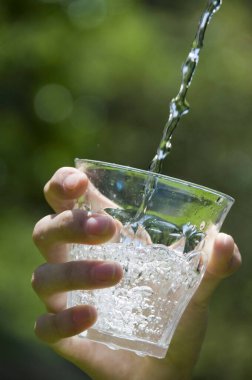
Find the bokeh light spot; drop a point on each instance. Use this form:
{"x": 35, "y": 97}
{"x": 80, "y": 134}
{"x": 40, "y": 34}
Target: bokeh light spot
{"x": 53, "y": 103}
{"x": 86, "y": 13}
{"x": 89, "y": 113}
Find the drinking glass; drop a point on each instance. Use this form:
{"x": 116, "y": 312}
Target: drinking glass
{"x": 163, "y": 253}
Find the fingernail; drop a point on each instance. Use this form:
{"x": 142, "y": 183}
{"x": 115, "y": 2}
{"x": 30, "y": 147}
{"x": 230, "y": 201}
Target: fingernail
{"x": 71, "y": 181}
{"x": 99, "y": 225}
{"x": 105, "y": 272}
{"x": 226, "y": 239}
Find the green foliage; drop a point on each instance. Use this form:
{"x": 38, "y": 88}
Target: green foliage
{"x": 93, "y": 79}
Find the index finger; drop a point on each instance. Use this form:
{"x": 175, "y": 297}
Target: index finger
{"x": 65, "y": 186}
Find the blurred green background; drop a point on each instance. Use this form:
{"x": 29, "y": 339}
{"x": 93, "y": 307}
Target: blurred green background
{"x": 93, "y": 79}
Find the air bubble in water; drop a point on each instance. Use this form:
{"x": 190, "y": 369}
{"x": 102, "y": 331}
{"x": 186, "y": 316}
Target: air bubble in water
{"x": 139, "y": 305}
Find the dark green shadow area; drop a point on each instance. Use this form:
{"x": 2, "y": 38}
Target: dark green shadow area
{"x": 22, "y": 360}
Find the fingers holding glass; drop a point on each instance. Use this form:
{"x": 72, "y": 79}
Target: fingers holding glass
{"x": 52, "y": 233}
{"x": 51, "y": 328}
{"x": 65, "y": 186}
{"x": 50, "y": 280}
{"x": 225, "y": 259}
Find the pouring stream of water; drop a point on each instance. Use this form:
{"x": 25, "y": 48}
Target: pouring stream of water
{"x": 178, "y": 106}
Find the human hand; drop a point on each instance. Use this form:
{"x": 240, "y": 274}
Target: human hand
{"x": 59, "y": 326}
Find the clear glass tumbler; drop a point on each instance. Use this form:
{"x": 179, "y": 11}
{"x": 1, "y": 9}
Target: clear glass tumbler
{"x": 163, "y": 254}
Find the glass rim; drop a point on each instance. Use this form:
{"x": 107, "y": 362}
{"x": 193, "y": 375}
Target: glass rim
{"x": 162, "y": 176}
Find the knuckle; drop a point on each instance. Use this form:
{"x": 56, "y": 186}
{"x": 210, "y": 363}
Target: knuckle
{"x": 46, "y": 189}
{"x": 38, "y": 233}
{"x": 65, "y": 221}
{"x": 70, "y": 225}
{"x": 38, "y": 278}
{"x": 43, "y": 329}
{"x": 55, "y": 182}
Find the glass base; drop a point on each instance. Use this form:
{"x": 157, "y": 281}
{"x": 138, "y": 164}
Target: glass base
{"x": 139, "y": 347}
{"x": 141, "y": 312}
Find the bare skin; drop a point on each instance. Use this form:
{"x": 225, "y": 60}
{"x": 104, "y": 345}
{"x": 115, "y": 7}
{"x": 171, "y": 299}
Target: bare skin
{"x": 58, "y": 326}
